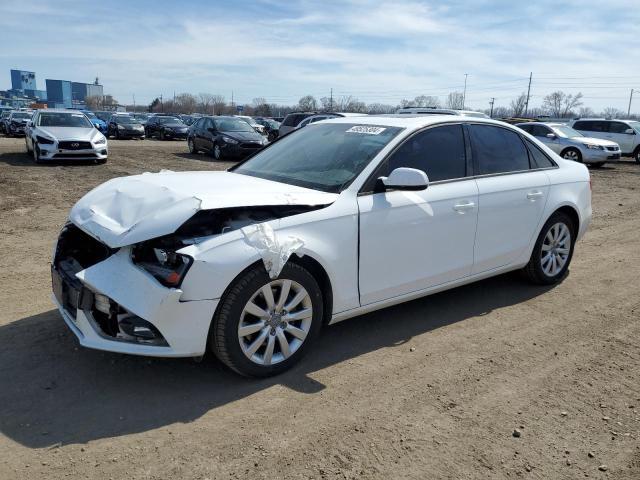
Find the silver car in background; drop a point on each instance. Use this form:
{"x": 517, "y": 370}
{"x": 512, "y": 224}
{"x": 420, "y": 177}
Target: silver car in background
{"x": 64, "y": 135}
{"x": 572, "y": 145}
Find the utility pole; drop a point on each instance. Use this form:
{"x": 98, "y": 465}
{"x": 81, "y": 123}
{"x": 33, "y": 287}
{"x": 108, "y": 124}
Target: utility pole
{"x": 630, "y": 98}
{"x": 331, "y": 101}
{"x": 526, "y": 105}
{"x": 161, "y": 104}
{"x": 464, "y": 94}
{"x": 493, "y": 99}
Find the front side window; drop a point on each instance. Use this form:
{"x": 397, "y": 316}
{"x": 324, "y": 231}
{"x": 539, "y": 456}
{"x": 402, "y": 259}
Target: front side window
{"x": 437, "y": 151}
{"x": 326, "y": 157}
{"x": 539, "y": 131}
{"x": 497, "y": 150}
{"x": 618, "y": 127}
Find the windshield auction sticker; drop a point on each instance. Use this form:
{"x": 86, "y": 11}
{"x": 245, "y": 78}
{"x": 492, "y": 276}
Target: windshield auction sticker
{"x": 366, "y": 129}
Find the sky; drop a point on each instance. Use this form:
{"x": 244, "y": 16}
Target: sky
{"x": 377, "y": 51}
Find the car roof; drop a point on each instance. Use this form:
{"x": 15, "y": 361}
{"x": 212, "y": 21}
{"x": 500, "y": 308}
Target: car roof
{"x": 548, "y": 124}
{"x": 412, "y": 122}
{"x": 60, "y": 110}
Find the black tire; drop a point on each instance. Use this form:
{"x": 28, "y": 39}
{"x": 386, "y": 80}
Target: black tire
{"x": 570, "y": 152}
{"x": 162, "y": 135}
{"x": 223, "y": 337}
{"x": 636, "y": 154}
{"x": 36, "y": 154}
{"x": 597, "y": 164}
{"x": 192, "y": 146}
{"x": 216, "y": 152}
{"x": 533, "y": 270}
{"x": 117, "y": 134}
{"x": 26, "y": 144}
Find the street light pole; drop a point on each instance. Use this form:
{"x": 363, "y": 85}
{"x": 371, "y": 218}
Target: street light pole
{"x": 630, "y": 98}
{"x": 464, "y": 94}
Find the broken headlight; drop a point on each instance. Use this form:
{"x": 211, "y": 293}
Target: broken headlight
{"x": 165, "y": 264}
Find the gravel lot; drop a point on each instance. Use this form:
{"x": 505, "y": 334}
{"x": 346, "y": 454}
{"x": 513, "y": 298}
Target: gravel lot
{"x": 431, "y": 389}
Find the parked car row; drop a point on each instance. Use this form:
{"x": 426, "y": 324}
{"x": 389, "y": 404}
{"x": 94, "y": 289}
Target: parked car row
{"x": 590, "y": 141}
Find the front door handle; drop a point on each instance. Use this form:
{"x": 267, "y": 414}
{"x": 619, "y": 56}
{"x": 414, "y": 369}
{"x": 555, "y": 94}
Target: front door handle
{"x": 464, "y": 206}
{"x": 533, "y": 196}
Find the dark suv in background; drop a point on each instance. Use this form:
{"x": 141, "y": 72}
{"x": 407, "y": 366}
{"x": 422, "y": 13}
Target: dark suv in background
{"x": 125, "y": 126}
{"x": 224, "y": 137}
{"x": 292, "y": 120}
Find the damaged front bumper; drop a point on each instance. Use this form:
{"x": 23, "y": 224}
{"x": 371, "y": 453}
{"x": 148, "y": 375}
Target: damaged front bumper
{"x": 115, "y": 306}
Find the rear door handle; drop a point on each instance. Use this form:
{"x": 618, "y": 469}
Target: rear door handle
{"x": 463, "y": 207}
{"x": 534, "y": 195}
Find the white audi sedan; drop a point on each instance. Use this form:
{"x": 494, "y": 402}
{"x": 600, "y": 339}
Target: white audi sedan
{"x": 54, "y": 135}
{"x": 334, "y": 220}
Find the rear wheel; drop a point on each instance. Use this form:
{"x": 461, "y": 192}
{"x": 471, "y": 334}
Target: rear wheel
{"x": 161, "y": 134}
{"x": 264, "y": 326}
{"x": 553, "y": 250}
{"x": 572, "y": 154}
{"x": 636, "y": 154}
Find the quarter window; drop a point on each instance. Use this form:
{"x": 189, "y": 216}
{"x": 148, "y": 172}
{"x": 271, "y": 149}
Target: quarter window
{"x": 438, "y": 151}
{"x": 497, "y": 150}
{"x": 618, "y": 127}
{"x": 538, "y": 159}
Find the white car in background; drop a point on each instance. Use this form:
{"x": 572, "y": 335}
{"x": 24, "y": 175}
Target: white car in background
{"x": 573, "y": 145}
{"x": 625, "y": 133}
{"x": 64, "y": 135}
{"x": 439, "y": 111}
{"x": 337, "y": 219}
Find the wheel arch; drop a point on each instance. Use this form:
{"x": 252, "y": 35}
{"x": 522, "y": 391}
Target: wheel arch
{"x": 570, "y": 147}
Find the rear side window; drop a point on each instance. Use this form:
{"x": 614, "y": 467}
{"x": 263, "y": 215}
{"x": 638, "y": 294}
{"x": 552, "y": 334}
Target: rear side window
{"x": 497, "y": 150}
{"x": 538, "y": 158}
{"x": 438, "y": 151}
{"x": 526, "y": 128}
{"x": 583, "y": 126}
{"x": 294, "y": 119}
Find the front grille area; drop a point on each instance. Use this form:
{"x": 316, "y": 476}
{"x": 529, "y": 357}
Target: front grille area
{"x": 72, "y": 156}
{"x": 72, "y": 145}
{"x": 83, "y": 249}
{"x": 612, "y": 149}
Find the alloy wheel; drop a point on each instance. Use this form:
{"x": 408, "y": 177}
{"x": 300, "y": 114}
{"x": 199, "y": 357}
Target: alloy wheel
{"x": 571, "y": 155}
{"x": 555, "y": 249}
{"x": 275, "y": 322}
{"x": 216, "y": 152}
{"x": 190, "y": 143}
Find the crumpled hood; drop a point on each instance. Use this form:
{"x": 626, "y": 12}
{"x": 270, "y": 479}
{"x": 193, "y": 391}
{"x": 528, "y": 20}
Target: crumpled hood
{"x": 595, "y": 141}
{"x": 128, "y": 210}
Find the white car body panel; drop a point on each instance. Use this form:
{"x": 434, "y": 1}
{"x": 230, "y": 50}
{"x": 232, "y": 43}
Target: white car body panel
{"x": 418, "y": 239}
{"x": 377, "y": 249}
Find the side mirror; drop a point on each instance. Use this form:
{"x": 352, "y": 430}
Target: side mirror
{"x": 405, "y": 179}
{"x": 630, "y": 131}
{"x": 552, "y": 136}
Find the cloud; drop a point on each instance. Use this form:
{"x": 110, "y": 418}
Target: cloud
{"x": 377, "y": 51}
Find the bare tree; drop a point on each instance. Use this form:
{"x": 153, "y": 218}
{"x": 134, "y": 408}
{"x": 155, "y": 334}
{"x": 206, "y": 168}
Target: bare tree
{"x": 308, "y": 103}
{"x": 261, "y": 107}
{"x": 426, "y": 101}
{"x": 455, "y": 100}
{"x": 327, "y": 103}
{"x": 613, "y": 112}
{"x": 218, "y": 104}
{"x": 349, "y": 103}
{"x": 93, "y": 102}
{"x": 518, "y": 104}
{"x": 185, "y": 103}
{"x": 560, "y": 104}
{"x": 586, "y": 112}
{"x": 378, "y": 108}
{"x": 205, "y": 103}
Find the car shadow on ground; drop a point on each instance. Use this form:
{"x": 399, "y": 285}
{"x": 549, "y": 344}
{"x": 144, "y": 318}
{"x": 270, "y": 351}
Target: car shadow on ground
{"x": 54, "y": 391}
{"x": 203, "y": 156}
{"x": 24, "y": 159}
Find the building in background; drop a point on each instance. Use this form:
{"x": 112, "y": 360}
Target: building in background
{"x": 58, "y": 93}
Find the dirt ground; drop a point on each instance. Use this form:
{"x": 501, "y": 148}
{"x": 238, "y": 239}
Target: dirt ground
{"x": 430, "y": 389}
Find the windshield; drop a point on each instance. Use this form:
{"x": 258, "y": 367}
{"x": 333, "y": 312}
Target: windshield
{"x": 566, "y": 132}
{"x": 168, "y": 120}
{"x": 63, "y": 119}
{"x": 124, "y": 119}
{"x": 21, "y": 115}
{"x": 325, "y": 157}
{"x": 232, "y": 125}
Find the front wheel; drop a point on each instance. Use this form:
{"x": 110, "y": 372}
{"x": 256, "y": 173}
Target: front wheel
{"x": 553, "y": 250}
{"x": 217, "y": 152}
{"x": 192, "y": 146}
{"x": 36, "y": 153}
{"x": 264, "y": 326}
{"x": 161, "y": 134}
{"x": 26, "y": 143}
{"x": 636, "y": 154}
{"x": 572, "y": 154}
